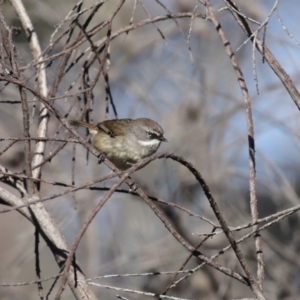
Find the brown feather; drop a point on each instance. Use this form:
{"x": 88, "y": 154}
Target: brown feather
{"x": 84, "y": 124}
{"x": 117, "y": 127}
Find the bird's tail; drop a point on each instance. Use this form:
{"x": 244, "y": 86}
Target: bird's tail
{"x": 91, "y": 127}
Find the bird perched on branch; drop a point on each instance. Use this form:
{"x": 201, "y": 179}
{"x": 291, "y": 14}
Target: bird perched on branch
{"x": 125, "y": 141}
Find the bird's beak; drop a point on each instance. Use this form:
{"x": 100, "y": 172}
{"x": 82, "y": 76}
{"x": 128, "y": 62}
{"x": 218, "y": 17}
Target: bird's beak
{"x": 163, "y": 139}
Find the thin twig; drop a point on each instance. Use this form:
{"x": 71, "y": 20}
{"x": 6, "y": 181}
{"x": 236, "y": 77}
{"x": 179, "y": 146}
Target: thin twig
{"x": 256, "y": 285}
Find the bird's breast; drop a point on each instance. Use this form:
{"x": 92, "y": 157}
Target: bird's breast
{"x": 123, "y": 152}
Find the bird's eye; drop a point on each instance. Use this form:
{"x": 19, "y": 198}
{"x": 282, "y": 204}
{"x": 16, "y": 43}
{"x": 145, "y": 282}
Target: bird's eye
{"x": 149, "y": 134}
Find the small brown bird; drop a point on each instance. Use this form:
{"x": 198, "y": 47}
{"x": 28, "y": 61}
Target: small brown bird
{"x": 125, "y": 141}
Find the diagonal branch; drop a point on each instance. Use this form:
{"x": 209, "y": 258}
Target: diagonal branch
{"x": 255, "y": 285}
{"x": 52, "y": 236}
{"x": 265, "y": 52}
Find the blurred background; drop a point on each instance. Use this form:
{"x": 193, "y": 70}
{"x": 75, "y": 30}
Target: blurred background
{"x": 195, "y": 96}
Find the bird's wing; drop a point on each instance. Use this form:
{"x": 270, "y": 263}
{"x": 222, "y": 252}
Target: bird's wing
{"x": 114, "y": 127}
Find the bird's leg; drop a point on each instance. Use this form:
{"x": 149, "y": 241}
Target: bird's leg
{"x": 132, "y": 187}
{"x": 101, "y": 158}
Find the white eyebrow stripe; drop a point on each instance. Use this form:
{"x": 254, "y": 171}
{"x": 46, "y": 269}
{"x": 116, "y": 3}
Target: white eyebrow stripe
{"x": 149, "y": 143}
{"x": 147, "y": 129}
